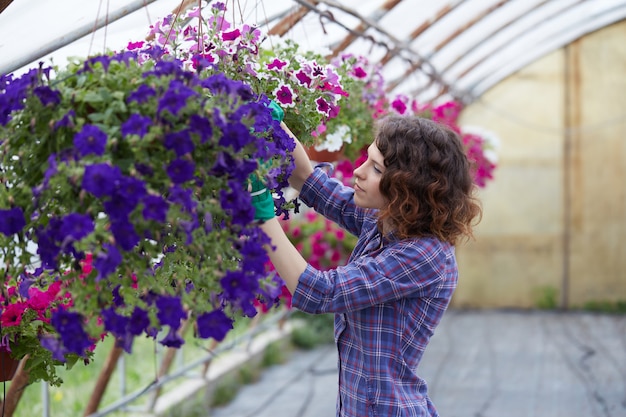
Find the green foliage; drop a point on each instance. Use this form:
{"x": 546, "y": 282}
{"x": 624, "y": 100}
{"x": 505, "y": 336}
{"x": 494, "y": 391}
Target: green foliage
{"x": 546, "y": 297}
{"x": 612, "y": 307}
{"x": 225, "y": 391}
{"x": 274, "y": 354}
{"x": 317, "y": 329}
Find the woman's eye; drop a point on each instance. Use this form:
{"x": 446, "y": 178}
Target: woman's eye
{"x": 376, "y": 170}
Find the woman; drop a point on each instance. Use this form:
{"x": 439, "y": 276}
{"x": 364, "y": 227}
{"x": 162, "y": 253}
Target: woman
{"x": 411, "y": 203}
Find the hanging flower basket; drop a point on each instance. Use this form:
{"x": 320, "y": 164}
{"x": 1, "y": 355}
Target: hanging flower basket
{"x": 323, "y": 155}
{"x": 8, "y": 366}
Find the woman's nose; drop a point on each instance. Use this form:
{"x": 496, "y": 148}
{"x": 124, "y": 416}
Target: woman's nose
{"x": 357, "y": 172}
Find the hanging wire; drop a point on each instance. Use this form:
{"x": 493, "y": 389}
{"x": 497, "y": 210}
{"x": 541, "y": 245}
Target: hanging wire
{"x": 200, "y": 32}
{"x": 178, "y": 10}
{"x": 106, "y": 28}
{"x": 95, "y": 27}
{"x": 145, "y": 6}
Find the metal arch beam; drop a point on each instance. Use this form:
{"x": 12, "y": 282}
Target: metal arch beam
{"x": 421, "y": 29}
{"x": 481, "y": 15}
{"x": 412, "y": 54}
{"x": 289, "y": 21}
{"x": 9, "y": 66}
{"x": 485, "y": 38}
{"x": 545, "y": 20}
{"x": 591, "y": 24}
{"x": 4, "y": 4}
{"x": 362, "y": 27}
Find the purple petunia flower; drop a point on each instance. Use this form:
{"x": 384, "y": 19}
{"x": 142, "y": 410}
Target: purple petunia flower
{"x": 131, "y": 190}
{"x": 237, "y": 203}
{"x": 170, "y": 311}
{"x": 54, "y": 345}
{"x": 180, "y": 142}
{"x": 175, "y": 98}
{"x": 77, "y": 226}
{"x": 118, "y": 299}
{"x": 47, "y": 243}
{"x": 69, "y": 325}
{"x": 181, "y": 170}
{"x": 254, "y": 257}
{"x": 172, "y": 339}
{"x": 67, "y": 120}
{"x": 117, "y": 208}
{"x": 91, "y": 139}
{"x": 215, "y": 324}
{"x": 124, "y": 233}
{"x": 183, "y": 197}
{"x": 236, "y": 135}
{"x": 201, "y": 126}
{"x": 101, "y": 179}
{"x": 142, "y": 94}
{"x": 106, "y": 262}
{"x": 219, "y": 6}
{"x": 238, "y": 286}
{"x": 114, "y": 323}
{"x": 47, "y": 95}
{"x": 155, "y": 208}
{"x": 139, "y": 321}
{"x": 136, "y": 125}
{"x": 11, "y": 221}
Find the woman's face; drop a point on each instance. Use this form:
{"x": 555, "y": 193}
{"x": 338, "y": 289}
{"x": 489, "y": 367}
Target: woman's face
{"x": 367, "y": 179}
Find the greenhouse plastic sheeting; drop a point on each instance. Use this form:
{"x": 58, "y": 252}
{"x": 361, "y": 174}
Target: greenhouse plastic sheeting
{"x": 430, "y": 50}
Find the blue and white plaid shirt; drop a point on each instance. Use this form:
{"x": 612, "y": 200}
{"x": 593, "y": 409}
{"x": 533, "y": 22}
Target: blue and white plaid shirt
{"x": 387, "y": 302}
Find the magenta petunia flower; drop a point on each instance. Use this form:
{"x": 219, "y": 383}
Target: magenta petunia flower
{"x": 232, "y": 35}
{"x": 134, "y": 45}
{"x": 399, "y": 106}
{"x": 285, "y": 95}
{"x": 303, "y": 78}
{"x": 322, "y": 106}
{"x": 277, "y": 64}
{"x": 359, "y": 72}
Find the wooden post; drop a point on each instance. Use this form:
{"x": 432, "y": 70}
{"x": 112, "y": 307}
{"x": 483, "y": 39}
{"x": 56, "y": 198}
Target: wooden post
{"x": 103, "y": 380}
{"x": 166, "y": 364}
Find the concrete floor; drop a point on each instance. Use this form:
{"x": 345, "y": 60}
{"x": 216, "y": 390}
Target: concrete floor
{"x": 478, "y": 364}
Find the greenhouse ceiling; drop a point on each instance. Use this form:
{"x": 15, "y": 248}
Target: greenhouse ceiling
{"x": 431, "y": 50}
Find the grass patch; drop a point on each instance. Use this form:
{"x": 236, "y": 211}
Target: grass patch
{"x": 317, "y": 330}
{"x": 546, "y": 297}
{"x": 611, "y": 307}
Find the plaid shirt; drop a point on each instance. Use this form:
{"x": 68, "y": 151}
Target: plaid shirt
{"x": 387, "y": 302}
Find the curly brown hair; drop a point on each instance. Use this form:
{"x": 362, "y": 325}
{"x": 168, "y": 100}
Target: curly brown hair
{"x": 427, "y": 180}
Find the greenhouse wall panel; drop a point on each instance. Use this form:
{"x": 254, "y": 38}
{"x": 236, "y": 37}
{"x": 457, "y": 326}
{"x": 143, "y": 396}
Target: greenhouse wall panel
{"x": 555, "y": 217}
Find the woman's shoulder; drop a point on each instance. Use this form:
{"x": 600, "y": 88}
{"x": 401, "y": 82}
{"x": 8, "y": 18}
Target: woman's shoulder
{"x": 427, "y": 246}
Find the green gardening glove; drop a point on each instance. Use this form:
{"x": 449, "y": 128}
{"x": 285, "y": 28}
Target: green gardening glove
{"x": 277, "y": 112}
{"x": 262, "y": 199}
